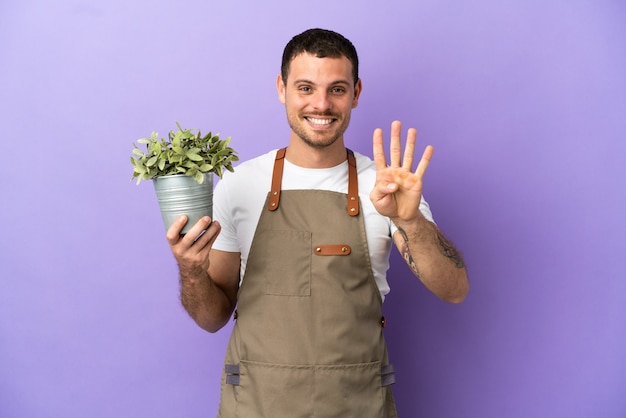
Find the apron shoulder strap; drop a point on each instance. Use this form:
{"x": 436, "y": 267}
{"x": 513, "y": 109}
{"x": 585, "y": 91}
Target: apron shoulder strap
{"x": 353, "y": 186}
{"x": 277, "y": 178}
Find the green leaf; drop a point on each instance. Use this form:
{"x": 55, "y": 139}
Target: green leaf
{"x": 152, "y": 161}
{"x": 176, "y": 141}
{"x": 194, "y": 157}
{"x": 186, "y": 134}
{"x": 139, "y": 169}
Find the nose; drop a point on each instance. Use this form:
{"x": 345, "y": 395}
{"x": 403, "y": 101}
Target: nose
{"x": 321, "y": 100}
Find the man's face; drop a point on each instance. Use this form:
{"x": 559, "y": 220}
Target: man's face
{"x": 319, "y": 96}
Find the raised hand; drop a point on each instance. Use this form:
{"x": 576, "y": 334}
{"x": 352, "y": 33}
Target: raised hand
{"x": 398, "y": 190}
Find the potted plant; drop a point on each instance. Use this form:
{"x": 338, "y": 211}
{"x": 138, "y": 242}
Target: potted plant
{"x": 182, "y": 167}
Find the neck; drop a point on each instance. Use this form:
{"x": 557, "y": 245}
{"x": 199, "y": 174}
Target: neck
{"x": 306, "y": 156}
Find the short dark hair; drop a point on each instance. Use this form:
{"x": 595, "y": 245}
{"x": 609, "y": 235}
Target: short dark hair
{"x": 320, "y": 43}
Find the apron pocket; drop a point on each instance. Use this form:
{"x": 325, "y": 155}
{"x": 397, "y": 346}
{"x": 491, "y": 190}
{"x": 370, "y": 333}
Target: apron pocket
{"x": 277, "y": 391}
{"x": 274, "y": 391}
{"x": 352, "y": 390}
{"x": 284, "y": 279}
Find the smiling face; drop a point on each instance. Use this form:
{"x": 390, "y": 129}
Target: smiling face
{"x": 319, "y": 95}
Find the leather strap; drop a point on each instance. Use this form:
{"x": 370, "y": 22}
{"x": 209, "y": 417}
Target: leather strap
{"x": 353, "y": 186}
{"x": 334, "y": 249}
{"x": 277, "y": 178}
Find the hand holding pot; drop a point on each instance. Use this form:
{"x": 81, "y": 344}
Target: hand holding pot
{"x": 209, "y": 300}
{"x": 191, "y": 250}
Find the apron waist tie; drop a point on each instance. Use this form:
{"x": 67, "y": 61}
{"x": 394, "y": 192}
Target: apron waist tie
{"x": 232, "y": 374}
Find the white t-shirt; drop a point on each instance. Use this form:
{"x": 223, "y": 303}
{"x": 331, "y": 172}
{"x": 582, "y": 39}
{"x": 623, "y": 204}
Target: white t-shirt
{"x": 239, "y": 198}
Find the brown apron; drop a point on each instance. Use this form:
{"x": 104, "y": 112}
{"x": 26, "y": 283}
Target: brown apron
{"x": 308, "y": 338}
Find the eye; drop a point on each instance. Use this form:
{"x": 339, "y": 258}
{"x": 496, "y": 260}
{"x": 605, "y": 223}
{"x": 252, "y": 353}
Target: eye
{"x": 304, "y": 89}
{"x": 338, "y": 90}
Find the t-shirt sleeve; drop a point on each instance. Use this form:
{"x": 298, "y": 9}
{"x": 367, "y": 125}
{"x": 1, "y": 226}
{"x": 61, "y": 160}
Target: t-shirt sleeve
{"x": 425, "y": 209}
{"x": 222, "y": 212}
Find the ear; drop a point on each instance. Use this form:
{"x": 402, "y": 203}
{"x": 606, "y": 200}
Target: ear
{"x": 280, "y": 87}
{"x": 357, "y": 92}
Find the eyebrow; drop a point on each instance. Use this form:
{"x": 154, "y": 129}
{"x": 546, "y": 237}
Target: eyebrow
{"x": 334, "y": 83}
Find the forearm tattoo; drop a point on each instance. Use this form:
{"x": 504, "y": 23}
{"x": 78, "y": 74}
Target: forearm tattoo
{"x": 449, "y": 251}
{"x": 406, "y": 254}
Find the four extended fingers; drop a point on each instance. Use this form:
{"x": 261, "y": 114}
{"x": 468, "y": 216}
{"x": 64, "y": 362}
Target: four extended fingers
{"x": 395, "y": 150}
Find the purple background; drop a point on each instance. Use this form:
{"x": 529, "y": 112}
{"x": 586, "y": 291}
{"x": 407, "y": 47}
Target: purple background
{"x": 525, "y": 103}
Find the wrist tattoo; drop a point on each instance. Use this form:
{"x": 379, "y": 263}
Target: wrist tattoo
{"x": 449, "y": 251}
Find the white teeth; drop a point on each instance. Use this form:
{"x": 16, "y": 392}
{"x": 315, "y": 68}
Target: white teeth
{"x": 320, "y": 121}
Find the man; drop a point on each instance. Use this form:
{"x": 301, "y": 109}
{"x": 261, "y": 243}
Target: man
{"x": 301, "y": 252}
